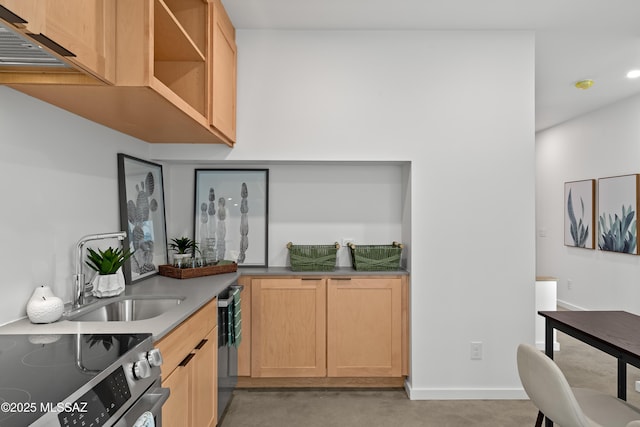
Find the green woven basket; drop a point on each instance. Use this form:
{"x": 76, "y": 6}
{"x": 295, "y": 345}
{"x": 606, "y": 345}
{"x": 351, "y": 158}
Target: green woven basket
{"x": 376, "y": 257}
{"x": 313, "y": 257}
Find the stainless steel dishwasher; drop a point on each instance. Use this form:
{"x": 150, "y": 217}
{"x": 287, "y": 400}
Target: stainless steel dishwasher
{"x": 228, "y": 330}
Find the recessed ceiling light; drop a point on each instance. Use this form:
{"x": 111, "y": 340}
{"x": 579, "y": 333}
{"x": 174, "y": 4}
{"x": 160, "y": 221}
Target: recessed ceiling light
{"x": 633, "y": 74}
{"x": 584, "y": 84}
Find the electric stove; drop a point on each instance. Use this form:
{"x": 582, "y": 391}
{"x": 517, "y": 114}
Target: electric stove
{"x": 75, "y": 379}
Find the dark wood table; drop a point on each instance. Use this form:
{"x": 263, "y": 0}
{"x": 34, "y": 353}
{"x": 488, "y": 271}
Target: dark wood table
{"x": 614, "y": 332}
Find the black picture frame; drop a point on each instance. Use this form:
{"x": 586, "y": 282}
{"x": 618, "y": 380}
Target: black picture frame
{"x": 244, "y": 196}
{"x": 142, "y": 215}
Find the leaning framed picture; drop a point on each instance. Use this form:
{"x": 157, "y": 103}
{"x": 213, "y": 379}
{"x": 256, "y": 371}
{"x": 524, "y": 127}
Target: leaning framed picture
{"x": 618, "y": 211}
{"x": 579, "y": 213}
{"x": 142, "y": 215}
{"x": 231, "y": 215}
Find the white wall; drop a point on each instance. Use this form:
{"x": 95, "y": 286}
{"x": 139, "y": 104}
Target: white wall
{"x": 315, "y": 203}
{"x": 58, "y": 182}
{"x": 460, "y": 107}
{"x": 598, "y": 145}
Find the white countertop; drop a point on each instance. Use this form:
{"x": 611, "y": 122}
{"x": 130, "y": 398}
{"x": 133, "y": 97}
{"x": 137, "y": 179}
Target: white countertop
{"x": 196, "y": 292}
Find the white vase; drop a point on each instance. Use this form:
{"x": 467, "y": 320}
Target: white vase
{"x": 108, "y": 285}
{"x": 43, "y": 306}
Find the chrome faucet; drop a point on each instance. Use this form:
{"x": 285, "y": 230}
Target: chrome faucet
{"x": 79, "y": 283}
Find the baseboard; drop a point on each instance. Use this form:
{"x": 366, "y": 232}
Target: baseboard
{"x": 568, "y": 306}
{"x": 464, "y": 393}
{"x": 321, "y": 382}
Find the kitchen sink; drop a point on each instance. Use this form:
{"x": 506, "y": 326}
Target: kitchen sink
{"x": 125, "y": 309}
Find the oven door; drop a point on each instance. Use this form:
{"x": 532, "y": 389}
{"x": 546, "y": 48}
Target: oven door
{"x": 149, "y": 405}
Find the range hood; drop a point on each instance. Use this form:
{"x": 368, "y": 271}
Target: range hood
{"x": 17, "y": 50}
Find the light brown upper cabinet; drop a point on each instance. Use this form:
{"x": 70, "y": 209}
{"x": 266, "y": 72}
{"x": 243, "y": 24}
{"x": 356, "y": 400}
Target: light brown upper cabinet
{"x": 167, "y": 84}
{"x": 80, "y": 32}
{"x": 223, "y": 72}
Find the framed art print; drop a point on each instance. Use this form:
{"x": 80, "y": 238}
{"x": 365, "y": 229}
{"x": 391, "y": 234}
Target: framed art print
{"x": 579, "y": 213}
{"x": 142, "y": 215}
{"x": 231, "y": 215}
{"x": 617, "y": 214}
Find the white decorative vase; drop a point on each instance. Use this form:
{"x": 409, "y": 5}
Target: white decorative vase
{"x": 43, "y": 306}
{"x": 108, "y": 285}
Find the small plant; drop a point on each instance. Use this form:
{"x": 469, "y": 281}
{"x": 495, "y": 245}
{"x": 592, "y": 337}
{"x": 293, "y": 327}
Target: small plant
{"x": 183, "y": 245}
{"x": 107, "y": 261}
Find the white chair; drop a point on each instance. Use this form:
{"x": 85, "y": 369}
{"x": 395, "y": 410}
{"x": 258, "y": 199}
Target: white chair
{"x": 550, "y": 392}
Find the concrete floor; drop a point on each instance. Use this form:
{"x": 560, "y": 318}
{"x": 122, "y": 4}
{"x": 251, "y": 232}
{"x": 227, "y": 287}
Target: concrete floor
{"x": 582, "y": 365}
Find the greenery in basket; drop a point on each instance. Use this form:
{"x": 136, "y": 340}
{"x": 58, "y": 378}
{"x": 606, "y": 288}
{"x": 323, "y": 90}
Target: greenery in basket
{"x": 107, "y": 261}
{"x": 183, "y": 245}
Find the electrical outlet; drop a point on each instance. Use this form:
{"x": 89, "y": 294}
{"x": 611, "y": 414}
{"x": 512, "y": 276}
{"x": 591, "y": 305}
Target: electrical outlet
{"x": 476, "y": 350}
{"x": 569, "y": 284}
{"x": 347, "y": 240}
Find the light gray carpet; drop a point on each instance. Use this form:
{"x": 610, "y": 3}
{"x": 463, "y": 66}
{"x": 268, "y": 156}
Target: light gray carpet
{"x": 583, "y": 366}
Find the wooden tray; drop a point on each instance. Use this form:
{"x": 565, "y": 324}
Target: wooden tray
{"x": 189, "y": 273}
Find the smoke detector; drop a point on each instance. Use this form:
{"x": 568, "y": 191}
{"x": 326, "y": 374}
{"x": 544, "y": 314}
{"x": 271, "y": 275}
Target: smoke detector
{"x": 584, "y": 84}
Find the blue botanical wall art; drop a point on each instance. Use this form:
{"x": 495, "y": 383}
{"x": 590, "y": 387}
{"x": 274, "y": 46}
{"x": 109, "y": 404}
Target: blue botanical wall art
{"x": 618, "y": 210}
{"x": 579, "y": 213}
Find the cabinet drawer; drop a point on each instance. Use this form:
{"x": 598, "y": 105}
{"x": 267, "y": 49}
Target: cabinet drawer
{"x": 176, "y": 345}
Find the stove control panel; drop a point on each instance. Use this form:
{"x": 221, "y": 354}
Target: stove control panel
{"x": 96, "y": 406}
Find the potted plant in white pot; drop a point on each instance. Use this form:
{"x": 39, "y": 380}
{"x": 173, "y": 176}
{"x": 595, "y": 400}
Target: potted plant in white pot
{"x": 108, "y": 280}
{"x": 183, "y": 248}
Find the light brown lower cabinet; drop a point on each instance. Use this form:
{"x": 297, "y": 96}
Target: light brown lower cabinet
{"x": 324, "y": 326}
{"x": 364, "y": 327}
{"x": 204, "y": 391}
{"x": 288, "y": 327}
{"x": 190, "y": 370}
{"x": 175, "y": 411}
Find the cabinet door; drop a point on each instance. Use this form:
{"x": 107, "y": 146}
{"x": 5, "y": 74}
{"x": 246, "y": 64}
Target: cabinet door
{"x": 204, "y": 381}
{"x": 222, "y": 57}
{"x": 364, "y": 327}
{"x": 288, "y": 327}
{"x": 176, "y": 410}
{"x": 86, "y": 28}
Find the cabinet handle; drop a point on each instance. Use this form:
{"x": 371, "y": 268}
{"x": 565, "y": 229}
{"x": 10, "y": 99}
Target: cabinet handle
{"x": 186, "y": 360}
{"x": 222, "y": 303}
{"x": 46, "y": 41}
{"x": 201, "y": 344}
{"x": 342, "y": 278}
{"x": 9, "y": 16}
{"x": 311, "y": 278}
